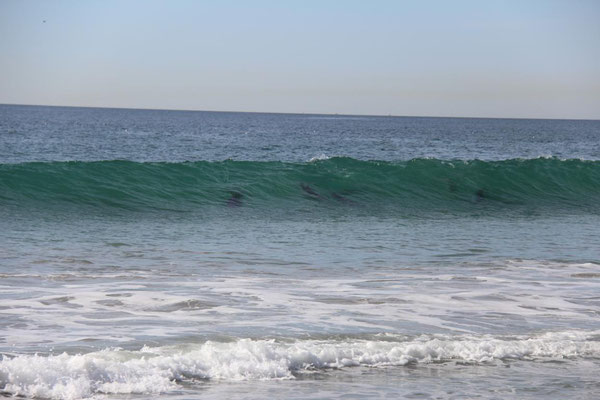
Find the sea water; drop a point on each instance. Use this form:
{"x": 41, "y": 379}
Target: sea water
{"x": 178, "y": 254}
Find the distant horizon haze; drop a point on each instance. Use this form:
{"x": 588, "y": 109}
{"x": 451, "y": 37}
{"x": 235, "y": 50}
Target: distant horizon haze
{"x": 291, "y": 113}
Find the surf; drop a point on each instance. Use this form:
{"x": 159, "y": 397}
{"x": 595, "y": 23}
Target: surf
{"x": 160, "y": 369}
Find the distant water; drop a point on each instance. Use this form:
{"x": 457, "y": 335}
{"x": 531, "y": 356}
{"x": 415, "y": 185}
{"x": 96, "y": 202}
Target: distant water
{"x": 232, "y": 255}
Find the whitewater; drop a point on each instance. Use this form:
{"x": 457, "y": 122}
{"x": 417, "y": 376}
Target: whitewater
{"x": 182, "y": 255}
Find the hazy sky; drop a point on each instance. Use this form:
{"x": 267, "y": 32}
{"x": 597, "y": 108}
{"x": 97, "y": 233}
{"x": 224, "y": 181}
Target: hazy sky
{"x": 523, "y": 58}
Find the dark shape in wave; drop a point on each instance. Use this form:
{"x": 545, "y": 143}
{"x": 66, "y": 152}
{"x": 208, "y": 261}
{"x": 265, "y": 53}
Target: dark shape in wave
{"x": 419, "y": 185}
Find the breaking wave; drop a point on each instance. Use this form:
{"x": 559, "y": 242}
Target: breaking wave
{"x": 420, "y": 185}
{"x": 160, "y": 369}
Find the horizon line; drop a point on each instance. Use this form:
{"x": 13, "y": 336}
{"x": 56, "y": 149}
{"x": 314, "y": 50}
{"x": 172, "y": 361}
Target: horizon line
{"x": 295, "y": 113}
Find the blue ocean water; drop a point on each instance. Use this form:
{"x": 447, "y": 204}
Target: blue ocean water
{"x": 185, "y": 254}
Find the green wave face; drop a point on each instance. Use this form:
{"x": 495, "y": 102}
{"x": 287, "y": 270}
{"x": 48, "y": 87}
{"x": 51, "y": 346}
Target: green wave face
{"x": 415, "y": 186}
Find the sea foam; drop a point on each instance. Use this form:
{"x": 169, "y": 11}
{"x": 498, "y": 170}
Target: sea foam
{"x": 158, "y": 369}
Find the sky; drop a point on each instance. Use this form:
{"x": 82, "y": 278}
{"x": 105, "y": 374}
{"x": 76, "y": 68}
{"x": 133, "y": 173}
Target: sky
{"x": 493, "y": 58}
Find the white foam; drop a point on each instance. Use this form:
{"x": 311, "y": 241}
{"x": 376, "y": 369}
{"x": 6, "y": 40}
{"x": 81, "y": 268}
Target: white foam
{"x": 156, "y": 370}
{"x": 468, "y": 298}
{"x": 320, "y": 157}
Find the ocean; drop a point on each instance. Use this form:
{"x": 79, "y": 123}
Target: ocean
{"x": 217, "y": 255}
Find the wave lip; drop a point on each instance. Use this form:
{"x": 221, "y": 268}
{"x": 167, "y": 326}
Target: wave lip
{"x": 157, "y": 370}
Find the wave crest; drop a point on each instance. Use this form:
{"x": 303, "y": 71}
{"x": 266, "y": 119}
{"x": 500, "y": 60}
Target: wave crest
{"x": 157, "y": 370}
